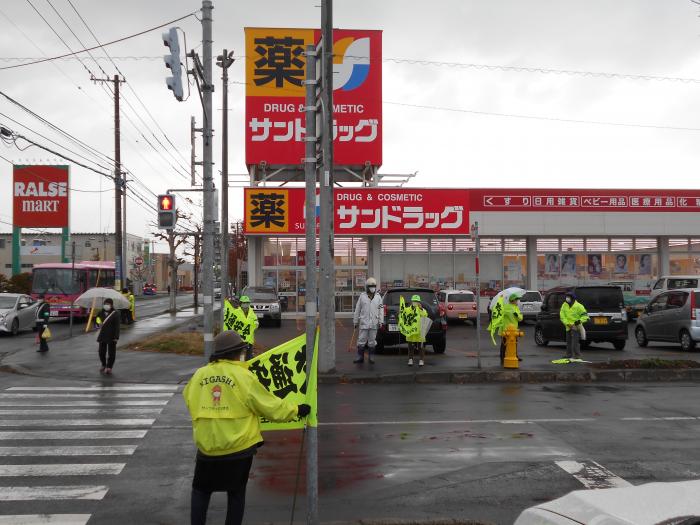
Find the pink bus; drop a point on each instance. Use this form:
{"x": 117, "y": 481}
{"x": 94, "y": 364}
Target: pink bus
{"x": 62, "y": 283}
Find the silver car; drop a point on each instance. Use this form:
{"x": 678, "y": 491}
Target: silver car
{"x": 673, "y": 317}
{"x": 17, "y": 312}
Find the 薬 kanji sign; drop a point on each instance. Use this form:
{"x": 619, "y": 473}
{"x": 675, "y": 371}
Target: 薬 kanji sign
{"x": 275, "y": 91}
{"x": 40, "y": 196}
{"x": 363, "y": 211}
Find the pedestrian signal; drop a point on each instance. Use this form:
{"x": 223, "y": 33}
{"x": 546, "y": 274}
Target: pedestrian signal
{"x": 167, "y": 212}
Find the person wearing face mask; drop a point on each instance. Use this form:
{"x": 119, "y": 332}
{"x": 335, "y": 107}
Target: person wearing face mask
{"x": 409, "y": 326}
{"x": 108, "y": 321}
{"x": 573, "y": 315}
{"x": 366, "y": 320}
{"x": 246, "y": 325}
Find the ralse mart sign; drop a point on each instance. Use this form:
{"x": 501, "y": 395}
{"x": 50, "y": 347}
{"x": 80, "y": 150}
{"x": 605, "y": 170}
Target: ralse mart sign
{"x": 40, "y": 196}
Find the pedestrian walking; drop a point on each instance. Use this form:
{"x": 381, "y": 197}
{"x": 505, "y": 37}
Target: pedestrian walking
{"x": 510, "y": 318}
{"x": 225, "y": 402}
{"x": 366, "y": 321}
{"x": 43, "y": 314}
{"x": 573, "y": 314}
{"x": 108, "y": 323}
{"x": 409, "y": 326}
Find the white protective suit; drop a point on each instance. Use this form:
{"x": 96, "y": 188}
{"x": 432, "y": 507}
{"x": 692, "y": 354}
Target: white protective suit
{"x": 366, "y": 318}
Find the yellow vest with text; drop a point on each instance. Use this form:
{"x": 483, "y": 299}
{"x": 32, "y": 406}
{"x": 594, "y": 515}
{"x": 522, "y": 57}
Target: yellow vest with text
{"x": 225, "y": 402}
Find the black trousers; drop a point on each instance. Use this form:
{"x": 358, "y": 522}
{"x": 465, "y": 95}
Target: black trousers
{"x": 43, "y": 343}
{"x": 108, "y": 353}
{"x": 236, "y": 487}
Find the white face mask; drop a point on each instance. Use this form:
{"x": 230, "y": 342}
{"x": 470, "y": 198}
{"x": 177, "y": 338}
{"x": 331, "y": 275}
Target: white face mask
{"x": 107, "y": 307}
{"x": 372, "y": 289}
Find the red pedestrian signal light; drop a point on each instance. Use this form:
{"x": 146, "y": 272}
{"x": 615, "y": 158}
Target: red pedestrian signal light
{"x": 167, "y": 212}
{"x": 166, "y": 203}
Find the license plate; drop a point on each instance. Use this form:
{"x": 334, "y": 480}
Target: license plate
{"x": 600, "y": 320}
{"x": 393, "y": 328}
{"x": 53, "y": 313}
{"x": 463, "y": 316}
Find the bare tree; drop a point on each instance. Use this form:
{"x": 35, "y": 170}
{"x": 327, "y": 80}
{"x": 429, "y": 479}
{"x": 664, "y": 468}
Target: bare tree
{"x": 175, "y": 240}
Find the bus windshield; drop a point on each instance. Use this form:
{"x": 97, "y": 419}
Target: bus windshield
{"x": 59, "y": 281}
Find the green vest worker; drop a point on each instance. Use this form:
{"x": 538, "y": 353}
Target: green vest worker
{"x": 248, "y": 325}
{"x": 573, "y": 314}
{"x": 409, "y": 326}
{"x": 225, "y": 402}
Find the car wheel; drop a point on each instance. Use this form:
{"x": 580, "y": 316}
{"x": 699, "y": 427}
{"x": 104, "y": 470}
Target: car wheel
{"x": 539, "y": 337}
{"x": 619, "y": 345}
{"x": 439, "y": 347}
{"x": 687, "y": 343}
{"x": 641, "y": 336}
{"x": 15, "y": 326}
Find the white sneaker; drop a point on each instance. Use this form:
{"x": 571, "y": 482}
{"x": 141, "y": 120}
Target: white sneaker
{"x": 410, "y": 362}
{"x": 420, "y": 362}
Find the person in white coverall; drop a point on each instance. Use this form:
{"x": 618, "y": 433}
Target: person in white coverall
{"x": 366, "y": 320}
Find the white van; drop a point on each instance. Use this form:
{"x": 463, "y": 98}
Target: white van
{"x": 674, "y": 282}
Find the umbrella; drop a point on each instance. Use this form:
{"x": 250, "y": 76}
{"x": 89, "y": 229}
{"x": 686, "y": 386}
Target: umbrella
{"x": 97, "y": 296}
{"x": 425, "y": 324}
{"x": 506, "y": 294}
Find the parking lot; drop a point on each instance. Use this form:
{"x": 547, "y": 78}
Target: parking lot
{"x": 462, "y": 349}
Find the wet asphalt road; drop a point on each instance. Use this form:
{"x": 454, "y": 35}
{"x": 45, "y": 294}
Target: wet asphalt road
{"x": 391, "y": 451}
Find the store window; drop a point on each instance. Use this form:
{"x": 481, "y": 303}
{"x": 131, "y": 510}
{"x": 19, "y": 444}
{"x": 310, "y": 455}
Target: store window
{"x": 514, "y": 268}
{"x": 287, "y": 290}
{"x": 359, "y": 248}
{"x": 287, "y": 251}
{"x": 342, "y": 249}
{"x": 270, "y": 251}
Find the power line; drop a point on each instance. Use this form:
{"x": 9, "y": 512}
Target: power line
{"x": 101, "y": 45}
{"x": 535, "y": 117}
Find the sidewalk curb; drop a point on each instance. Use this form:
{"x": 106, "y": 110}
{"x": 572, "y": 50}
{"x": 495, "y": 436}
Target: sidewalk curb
{"x": 414, "y": 521}
{"x": 520, "y": 376}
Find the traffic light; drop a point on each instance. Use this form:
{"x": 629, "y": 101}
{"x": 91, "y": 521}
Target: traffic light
{"x": 167, "y": 212}
{"x": 172, "y": 62}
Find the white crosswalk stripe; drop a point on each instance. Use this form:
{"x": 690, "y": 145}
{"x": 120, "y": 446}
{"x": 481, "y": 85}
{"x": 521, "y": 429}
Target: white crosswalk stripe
{"x": 37, "y": 430}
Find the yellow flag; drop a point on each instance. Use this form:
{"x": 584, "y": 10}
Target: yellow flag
{"x": 230, "y": 315}
{"x": 496, "y": 318}
{"x": 283, "y": 371}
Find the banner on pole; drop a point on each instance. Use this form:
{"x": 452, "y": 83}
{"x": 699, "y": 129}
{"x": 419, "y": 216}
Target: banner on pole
{"x": 283, "y": 371}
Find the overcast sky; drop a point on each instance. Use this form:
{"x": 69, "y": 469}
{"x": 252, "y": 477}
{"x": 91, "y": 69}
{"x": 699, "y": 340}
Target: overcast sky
{"x": 447, "y": 148}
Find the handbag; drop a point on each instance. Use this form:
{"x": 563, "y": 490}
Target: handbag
{"x": 46, "y": 333}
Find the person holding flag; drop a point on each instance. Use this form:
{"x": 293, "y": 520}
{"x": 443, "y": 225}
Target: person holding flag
{"x": 225, "y": 401}
{"x": 242, "y": 320}
{"x": 409, "y": 326}
{"x": 505, "y": 315}
{"x": 573, "y": 315}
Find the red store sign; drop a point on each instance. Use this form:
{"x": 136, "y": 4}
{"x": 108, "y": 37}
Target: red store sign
{"x": 40, "y": 196}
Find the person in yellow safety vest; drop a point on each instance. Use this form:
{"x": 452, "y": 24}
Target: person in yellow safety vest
{"x": 409, "y": 326}
{"x": 573, "y": 314}
{"x": 246, "y": 324}
{"x": 225, "y": 401}
{"x": 128, "y": 315}
{"x": 511, "y": 317}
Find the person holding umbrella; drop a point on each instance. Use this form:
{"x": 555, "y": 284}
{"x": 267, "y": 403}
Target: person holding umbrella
{"x": 108, "y": 322}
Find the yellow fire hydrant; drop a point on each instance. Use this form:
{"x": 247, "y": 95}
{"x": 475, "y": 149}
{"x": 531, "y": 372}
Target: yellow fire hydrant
{"x": 511, "y": 335}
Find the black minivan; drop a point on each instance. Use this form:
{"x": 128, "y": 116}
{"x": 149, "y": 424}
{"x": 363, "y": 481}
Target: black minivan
{"x": 606, "y": 310}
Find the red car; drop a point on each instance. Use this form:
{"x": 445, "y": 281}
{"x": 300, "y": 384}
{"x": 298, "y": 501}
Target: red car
{"x": 149, "y": 289}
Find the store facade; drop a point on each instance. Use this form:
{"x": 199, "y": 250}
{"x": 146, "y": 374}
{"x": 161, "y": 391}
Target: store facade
{"x": 536, "y": 239}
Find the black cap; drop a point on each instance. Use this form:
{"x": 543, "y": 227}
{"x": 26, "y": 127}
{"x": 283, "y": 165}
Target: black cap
{"x": 227, "y": 345}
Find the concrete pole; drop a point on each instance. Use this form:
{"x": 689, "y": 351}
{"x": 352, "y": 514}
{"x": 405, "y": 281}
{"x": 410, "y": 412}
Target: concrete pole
{"x": 208, "y": 219}
{"x": 310, "y": 304}
{"x": 119, "y": 255}
{"x": 225, "y": 62}
{"x": 478, "y": 297}
{"x": 326, "y": 361}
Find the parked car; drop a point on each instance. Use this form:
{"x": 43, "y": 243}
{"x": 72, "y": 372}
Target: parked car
{"x": 673, "y": 503}
{"x": 530, "y": 305}
{"x": 672, "y": 317}
{"x": 17, "y": 312}
{"x": 149, "y": 289}
{"x": 388, "y": 333}
{"x": 674, "y": 282}
{"x": 265, "y": 303}
{"x": 606, "y": 310}
{"x": 458, "y": 305}
{"x": 634, "y": 302}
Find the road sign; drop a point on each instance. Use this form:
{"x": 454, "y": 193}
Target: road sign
{"x": 138, "y": 261}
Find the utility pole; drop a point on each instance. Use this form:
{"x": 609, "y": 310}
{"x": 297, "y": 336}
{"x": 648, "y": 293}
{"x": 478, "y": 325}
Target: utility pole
{"x": 225, "y": 60}
{"x": 310, "y": 170}
{"x": 119, "y": 188}
{"x": 208, "y": 183}
{"x": 326, "y": 361}
{"x": 197, "y": 241}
